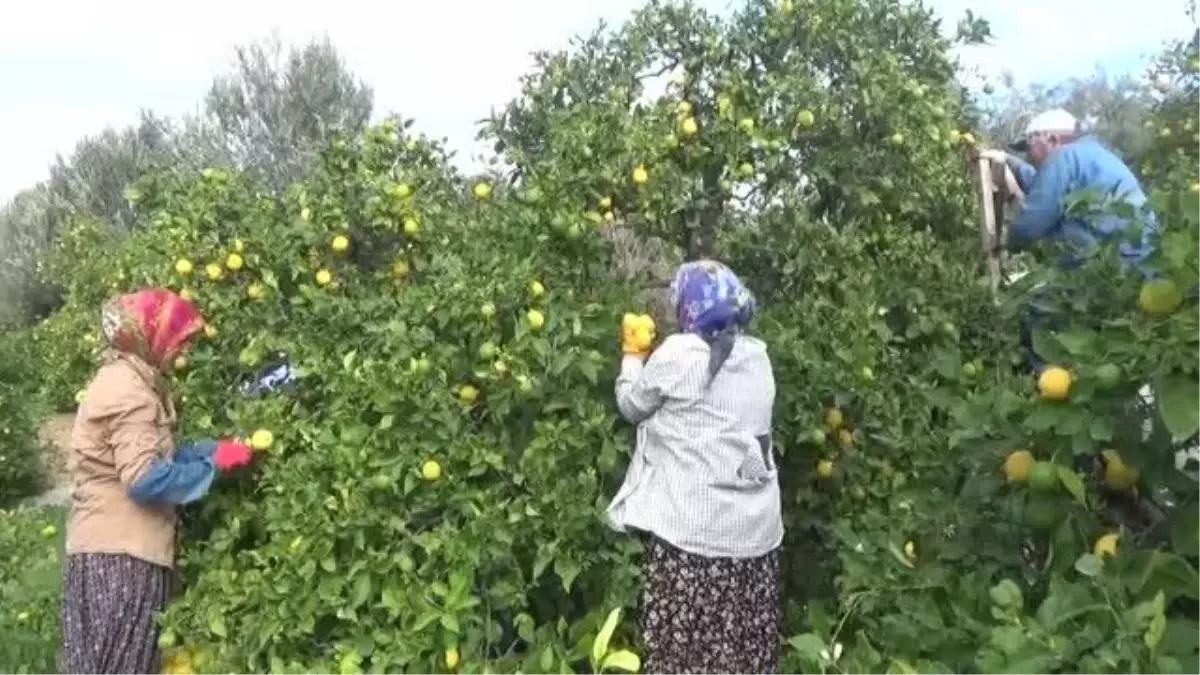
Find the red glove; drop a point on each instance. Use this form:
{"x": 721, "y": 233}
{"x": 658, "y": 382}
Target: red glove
{"x": 231, "y": 454}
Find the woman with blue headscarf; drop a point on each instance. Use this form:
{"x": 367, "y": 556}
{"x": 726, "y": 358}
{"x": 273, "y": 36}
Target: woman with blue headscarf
{"x": 702, "y": 486}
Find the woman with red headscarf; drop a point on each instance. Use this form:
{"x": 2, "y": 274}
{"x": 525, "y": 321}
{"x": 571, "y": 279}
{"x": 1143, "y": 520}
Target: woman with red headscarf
{"x": 129, "y": 477}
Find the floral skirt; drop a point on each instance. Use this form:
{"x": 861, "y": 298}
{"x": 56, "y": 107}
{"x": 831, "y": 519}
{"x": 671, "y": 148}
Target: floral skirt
{"x": 110, "y": 604}
{"x": 709, "y": 615}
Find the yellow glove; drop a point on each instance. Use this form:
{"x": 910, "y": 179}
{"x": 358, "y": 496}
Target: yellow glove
{"x": 637, "y": 334}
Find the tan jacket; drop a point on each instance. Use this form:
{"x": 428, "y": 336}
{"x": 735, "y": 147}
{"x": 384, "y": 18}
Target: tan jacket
{"x": 122, "y": 426}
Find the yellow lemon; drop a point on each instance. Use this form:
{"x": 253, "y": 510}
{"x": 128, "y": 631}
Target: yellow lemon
{"x": 400, "y": 268}
{"x": 451, "y": 658}
{"x": 955, "y": 135}
{"x": 324, "y": 277}
{"x": 234, "y": 261}
{"x": 431, "y": 470}
{"x": 482, "y": 191}
{"x": 180, "y": 363}
{"x": 834, "y": 418}
{"x": 845, "y": 438}
{"x": 897, "y": 139}
{"x": 536, "y": 319}
{"x": 805, "y": 119}
{"x": 1017, "y": 466}
{"x": 968, "y": 138}
{"x": 1055, "y": 383}
{"x": 468, "y": 394}
{"x": 210, "y": 331}
{"x": 684, "y": 108}
{"x": 340, "y": 243}
{"x": 183, "y": 266}
{"x": 688, "y": 127}
{"x": 910, "y": 550}
{"x": 1106, "y": 545}
{"x": 262, "y": 439}
{"x": 536, "y": 289}
{"x": 401, "y": 191}
{"x": 1159, "y": 297}
{"x": 255, "y": 291}
{"x": 825, "y": 468}
{"x": 1117, "y": 474}
{"x": 746, "y": 124}
{"x": 213, "y": 271}
{"x": 606, "y": 203}
{"x": 412, "y": 227}
{"x": 640, "y": 175}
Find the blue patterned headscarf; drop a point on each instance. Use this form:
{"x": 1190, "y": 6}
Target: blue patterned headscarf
{"x": 711, "y": 302}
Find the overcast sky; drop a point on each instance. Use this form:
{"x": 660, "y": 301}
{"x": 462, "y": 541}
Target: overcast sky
{"x": 69, "y": 68}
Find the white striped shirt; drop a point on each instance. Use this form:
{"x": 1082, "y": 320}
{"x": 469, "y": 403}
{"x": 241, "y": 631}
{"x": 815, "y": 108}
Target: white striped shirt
{"x": 703, "y": 476}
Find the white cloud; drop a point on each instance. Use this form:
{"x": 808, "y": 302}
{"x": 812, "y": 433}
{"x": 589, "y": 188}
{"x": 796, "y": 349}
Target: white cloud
{"x": 71, "y": 67}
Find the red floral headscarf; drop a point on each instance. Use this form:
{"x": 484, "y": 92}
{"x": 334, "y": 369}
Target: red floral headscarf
{"x": 152, "y": 325}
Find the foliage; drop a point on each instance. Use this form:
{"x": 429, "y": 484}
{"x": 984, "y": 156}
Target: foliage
{"x": 268, "y": 115}
{"x": 22, "y": 473}
{"x": 30, "y": 584}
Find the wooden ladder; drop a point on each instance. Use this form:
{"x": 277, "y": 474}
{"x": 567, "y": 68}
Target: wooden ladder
{"x": 997, "y": 187}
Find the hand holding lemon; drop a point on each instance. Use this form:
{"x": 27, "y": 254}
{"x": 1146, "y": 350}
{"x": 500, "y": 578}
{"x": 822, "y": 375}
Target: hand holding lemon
{"x": 637, "y": 334}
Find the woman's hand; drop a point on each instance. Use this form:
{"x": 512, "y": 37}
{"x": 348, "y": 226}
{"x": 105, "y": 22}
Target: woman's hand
{"x": 637, "y": 334}
{"x": 231, "y": 454}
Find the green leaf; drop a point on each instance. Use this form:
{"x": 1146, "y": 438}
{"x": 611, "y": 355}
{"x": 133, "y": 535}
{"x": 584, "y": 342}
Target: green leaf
{"x": 362, "y": 590}
{"x": 899, "y": 555}
{"x": 1089, "y": 565}
{"x": 600, "y": 645}
{"x": 566, "y": 569}
{"x": 1076, "y": 341}
{"x": 624, "y": 660}
{"x": 1006, "y": 594}
{"x": 1073, "y": 483}
{"x": 216, "y": 626}
{"x": 1185, "y": 530}
{"x": 808, "y": 645}
{"x": 1179, "y": 404}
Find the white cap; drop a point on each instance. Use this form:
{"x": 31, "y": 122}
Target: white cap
{"x": 1051, "y": 121}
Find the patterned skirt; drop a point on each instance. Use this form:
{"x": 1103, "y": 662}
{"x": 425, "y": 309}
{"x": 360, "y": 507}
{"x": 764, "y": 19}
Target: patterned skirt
{"x": 110, "y": 604}
{"x": 709, "y": 615}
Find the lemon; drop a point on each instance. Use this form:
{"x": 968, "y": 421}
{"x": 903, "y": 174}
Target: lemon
{"x": 213, "y": 271}
{"x": 746, "y": 170}
{"x": 834, "y": 418}
{"x": 606, "y": 203}
{"x": 166, "y": 639}
{"x": 1117, "y": 474}
{"x": 1042, "y": 513}
{"x": 262, "y": 439}
{"x": 180, "y": 363}
{"x": 1159, "y": 297}
{"x": 1109, "y": 375}
{"x": 487, "y": 351}
{"x": 451, "y": 658}
{"x": 400, "y": 268}
{"x": 431, "y": 470}
{"x": 684, "y": 108}
{"x": 468, "y": 394}
{"x": 524, "y": 384}
{"x": 825, "y": 468}
{"x": 401, "y": 191}
{"x": 340, "y": 243}
{"x": 968, "y": 138}
{"x": 536, "y": 319}
{"x": 187, "y": 294}
{"x": 488, "y": 310}
{"x": 817, "y": 436}
{"x": 806, "y": 119}
{"x": 688, "y": 127}
{"x": 234, "y": 261}
{"x": 482, "y": 191}
{"x": 1017, "y": 466}
{"x": 255, "y": 291}
{"x": 1106, "y": 545}
{"x": 239, "y": 245}
{"x": 845, "y": 438}
{"x": 897, "y": 139}
{"x": 183, "y": 266}
{"x": 1043, "y": 476}
{"x": 412, "y": 227}
{"x": 536, "y": 289}
{"x": 49, "y": 531}
{"x": 500, "y": 367}
{"x": 640, "y": 175}
{"x": 324, "y": 277}
{"x": 1055, "y": 383}
{"x": 746, "y": 124}
{"x": 910, "y": 550}
{"x": 210, "y": 331}
{"x": 955, "y": 135}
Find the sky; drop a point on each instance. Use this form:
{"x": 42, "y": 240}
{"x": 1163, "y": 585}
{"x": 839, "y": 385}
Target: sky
{"x": 69, "y": 68}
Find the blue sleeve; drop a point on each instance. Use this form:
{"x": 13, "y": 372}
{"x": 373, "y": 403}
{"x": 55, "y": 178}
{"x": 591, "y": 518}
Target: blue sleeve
{"x": 1043, "y": 202}
{"x": 1024, "y": 172}
{"x": 178, "y": 482}
{"x": 195, "y": 450}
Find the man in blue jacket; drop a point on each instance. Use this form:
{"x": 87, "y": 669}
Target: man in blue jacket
{"x": 1065, "y": 162}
